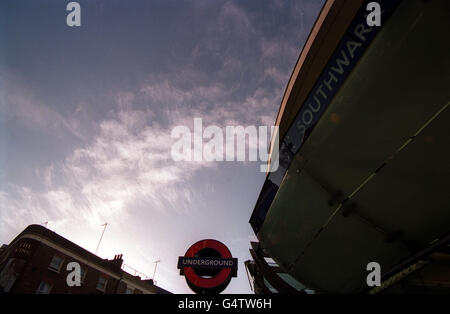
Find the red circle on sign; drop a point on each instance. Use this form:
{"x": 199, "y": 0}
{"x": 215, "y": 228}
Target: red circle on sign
{"x": 215, "y": 281}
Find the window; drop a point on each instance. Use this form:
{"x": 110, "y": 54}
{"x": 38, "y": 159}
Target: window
{"x": 9, "y": 273}
{"x": 44, "y": 288}
{"x": 129, "y": 290}
{"x": 56, "y": 263}
{"x": 83, "y": 273}
{"x": 101, "y": 284}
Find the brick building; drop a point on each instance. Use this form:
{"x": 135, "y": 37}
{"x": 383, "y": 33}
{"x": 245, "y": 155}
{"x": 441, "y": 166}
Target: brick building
{"x": 36, "y": 260}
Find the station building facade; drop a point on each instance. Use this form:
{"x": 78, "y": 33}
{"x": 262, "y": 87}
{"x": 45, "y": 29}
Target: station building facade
{"x": 363, "y": 157}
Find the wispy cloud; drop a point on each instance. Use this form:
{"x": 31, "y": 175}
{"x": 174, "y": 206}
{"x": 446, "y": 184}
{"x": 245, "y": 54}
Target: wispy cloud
{"x": 129, "y": 160}
{"x": 20, "y": 104}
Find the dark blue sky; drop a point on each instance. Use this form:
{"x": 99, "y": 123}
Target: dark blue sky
{"x": 86, "y": 114}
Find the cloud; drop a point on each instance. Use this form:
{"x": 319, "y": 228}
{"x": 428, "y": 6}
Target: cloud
{"x": 18, "y": 103}
{"x": 126, "y": 162}
{"x": 129, "y": 160}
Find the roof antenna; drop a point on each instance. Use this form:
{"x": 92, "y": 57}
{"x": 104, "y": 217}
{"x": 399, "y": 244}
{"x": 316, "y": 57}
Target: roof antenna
{"x": 154, "y": 271}
{"x": 105, "y": 224}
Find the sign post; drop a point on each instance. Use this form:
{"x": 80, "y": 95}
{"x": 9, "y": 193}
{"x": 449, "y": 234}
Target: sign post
{"x": 208, "y": 266}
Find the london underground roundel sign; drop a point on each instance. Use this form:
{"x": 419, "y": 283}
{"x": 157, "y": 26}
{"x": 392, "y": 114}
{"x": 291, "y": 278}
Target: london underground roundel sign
{"x": 208, "y": 266}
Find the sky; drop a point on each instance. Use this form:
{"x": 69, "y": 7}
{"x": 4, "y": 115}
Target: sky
{"x": 86, "y": 115}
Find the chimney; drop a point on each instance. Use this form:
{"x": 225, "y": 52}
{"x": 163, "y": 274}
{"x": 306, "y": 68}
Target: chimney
{"x": 149, "y": 281}
{"x": 117, "y": 260}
